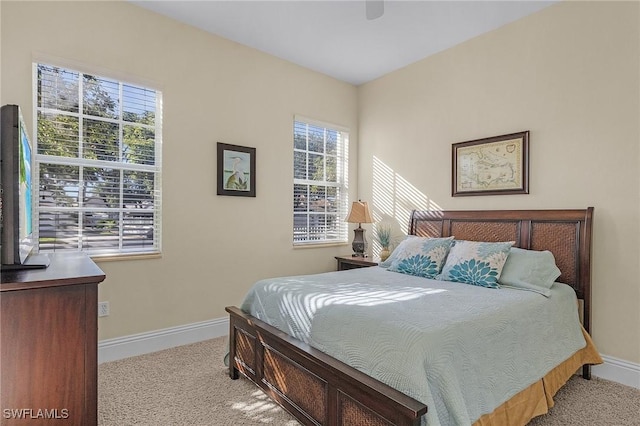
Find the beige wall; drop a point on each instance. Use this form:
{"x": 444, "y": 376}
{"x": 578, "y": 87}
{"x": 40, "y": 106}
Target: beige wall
{"x": 569, "y": 74}
{"x": 214, "y": 247}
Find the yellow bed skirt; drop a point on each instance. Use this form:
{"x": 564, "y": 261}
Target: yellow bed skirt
{"x": 537, "y": 399}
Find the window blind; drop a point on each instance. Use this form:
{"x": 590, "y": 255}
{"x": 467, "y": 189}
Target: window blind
{"x": 98, "y": 164}
{"x": 320, "y": 171}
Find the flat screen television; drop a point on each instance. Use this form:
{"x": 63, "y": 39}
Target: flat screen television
{"x": 17, "y": 238}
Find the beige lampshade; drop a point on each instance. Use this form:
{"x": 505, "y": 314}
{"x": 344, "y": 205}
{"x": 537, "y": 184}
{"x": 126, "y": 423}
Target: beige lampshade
{"x": 359, "y": 213}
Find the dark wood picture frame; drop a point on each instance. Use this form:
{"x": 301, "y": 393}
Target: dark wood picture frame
{"x": 236, "y": 170}
{"x": 491, "y": 166}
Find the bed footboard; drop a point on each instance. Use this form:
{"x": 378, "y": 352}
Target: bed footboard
{"x": 314, "y": 387}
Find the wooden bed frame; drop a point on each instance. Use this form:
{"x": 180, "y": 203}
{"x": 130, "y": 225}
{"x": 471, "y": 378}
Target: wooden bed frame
{"x": 320, "y": 390}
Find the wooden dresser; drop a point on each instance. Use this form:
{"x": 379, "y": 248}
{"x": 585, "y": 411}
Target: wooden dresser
{"x": 49, "y": 343}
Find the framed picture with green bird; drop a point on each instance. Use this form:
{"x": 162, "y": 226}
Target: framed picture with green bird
{"x": 236, "y": 170}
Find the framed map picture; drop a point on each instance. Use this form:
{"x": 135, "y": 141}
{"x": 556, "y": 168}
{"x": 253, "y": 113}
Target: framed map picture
{"x": 491, "y": 166}
{"x": 236, "y": 170}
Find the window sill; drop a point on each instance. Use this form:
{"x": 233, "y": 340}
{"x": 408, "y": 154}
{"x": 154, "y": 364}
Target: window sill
{"x": 320, "y": 245}
{"x": 121, "y": 257}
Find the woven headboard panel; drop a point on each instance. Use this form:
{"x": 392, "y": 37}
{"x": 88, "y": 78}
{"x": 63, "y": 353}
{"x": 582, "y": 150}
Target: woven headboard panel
{"x": 565, "y": 233}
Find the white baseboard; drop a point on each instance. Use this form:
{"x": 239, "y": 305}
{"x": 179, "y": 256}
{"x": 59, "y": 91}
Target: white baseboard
{"x": 157, "y": 340}
{"x": 614, "y": 369}
{"x": 618, "y": 370}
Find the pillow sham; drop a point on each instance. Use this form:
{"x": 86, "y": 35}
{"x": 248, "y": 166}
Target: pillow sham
{"x": 420, "y": 256}
{"x": 530, "y": 270}
{"x": 394, "y": 254}
{"x": 476, "y": 263}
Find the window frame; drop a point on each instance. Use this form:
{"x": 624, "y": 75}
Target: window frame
{"x": 119, "y": 165}
{"x": 341, "y": 184}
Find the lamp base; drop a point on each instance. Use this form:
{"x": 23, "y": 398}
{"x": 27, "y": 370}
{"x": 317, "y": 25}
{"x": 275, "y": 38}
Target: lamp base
{"x": 359, "y": 244}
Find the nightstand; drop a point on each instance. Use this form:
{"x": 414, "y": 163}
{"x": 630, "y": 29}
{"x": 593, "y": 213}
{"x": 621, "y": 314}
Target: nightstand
{"x": 352, "y": 262}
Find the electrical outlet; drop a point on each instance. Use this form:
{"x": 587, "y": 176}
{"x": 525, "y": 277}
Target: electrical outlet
{"x": 103, "y": 309}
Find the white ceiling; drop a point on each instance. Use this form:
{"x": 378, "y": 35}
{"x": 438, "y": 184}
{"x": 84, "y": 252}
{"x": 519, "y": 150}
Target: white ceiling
{"x": 335, "y": 38}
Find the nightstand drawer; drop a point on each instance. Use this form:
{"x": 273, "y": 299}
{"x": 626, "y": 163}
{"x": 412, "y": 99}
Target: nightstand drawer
{"x": 353, "y": 262}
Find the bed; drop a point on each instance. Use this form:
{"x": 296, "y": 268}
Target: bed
{"x": 319, "y": 389}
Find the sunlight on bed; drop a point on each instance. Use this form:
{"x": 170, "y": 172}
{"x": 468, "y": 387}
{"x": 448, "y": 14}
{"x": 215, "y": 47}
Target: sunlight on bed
{"x": 261, "y": 409}
{"x": 300, "y": 309}
{"x": 345, "y": 294}
{"x": 359, "y": 297}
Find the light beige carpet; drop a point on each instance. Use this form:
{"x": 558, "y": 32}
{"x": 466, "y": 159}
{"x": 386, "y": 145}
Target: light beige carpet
{"x": 189, "y": 385}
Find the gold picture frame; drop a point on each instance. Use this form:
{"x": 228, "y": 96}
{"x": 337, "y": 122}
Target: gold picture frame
{"x": 497, "y": 165}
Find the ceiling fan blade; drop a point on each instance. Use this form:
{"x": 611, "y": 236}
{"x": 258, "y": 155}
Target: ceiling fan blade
{"x": 374, "y": 8}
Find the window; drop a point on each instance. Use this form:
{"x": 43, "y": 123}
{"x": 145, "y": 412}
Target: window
{"x": 320, "y": 171}
{"x": 97, "y": 164}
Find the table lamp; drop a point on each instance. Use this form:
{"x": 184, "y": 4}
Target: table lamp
{"x": 359, "y": 214}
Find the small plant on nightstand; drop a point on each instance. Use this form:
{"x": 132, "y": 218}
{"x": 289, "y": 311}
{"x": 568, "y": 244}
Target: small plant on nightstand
{"x": 383, "y": 235}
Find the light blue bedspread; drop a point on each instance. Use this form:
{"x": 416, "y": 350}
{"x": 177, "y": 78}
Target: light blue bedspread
{"x": 460, "y": 349}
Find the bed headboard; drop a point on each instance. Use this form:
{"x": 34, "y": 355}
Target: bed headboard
{"x": 565, "y": 233}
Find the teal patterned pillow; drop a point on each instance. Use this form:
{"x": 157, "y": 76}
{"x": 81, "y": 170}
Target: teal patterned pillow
{"x": 419, "y": 256}
{"x": 394, "y": 254}
{"x": 476, "y": 263}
